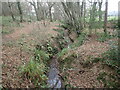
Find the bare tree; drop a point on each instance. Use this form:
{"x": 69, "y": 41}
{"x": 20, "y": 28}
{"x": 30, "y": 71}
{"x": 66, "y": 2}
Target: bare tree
{"x": 35, "y": 8}
{"x": 105, "y": 17}
{"x": 50, "y": 5}
{"x": 92, "y": 16}
{"x": 119, "y": 32}
{"x": 84, "y": 5}
{"x": 20, "y": 11}
{"x": 10, "y": 7}
{"x": 100, "y": 11}
{"x": 72, "y": 13}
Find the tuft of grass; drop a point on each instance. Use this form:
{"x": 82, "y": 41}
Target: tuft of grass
{"x": 8, "y": 22}
{"x": 103, "y": 37}
{"x": 102, "y": 76}
{"x": 41, "y": 56}
{"x": 35, "y": 72}
{"x": 66, "y": 57}
{"x": 6, "y": 31}
{"x": 109, "y": 81}
{"x": 111, "y": 57}
{"x": 63, "y": 52}
{"x": 80, "y": 41}
{"x": 36, "y": 69}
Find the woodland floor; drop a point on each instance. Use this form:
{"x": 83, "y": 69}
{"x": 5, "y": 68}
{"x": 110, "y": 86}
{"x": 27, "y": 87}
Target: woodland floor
{"x": 85, "y": 76}
{"x": 14, "y": 55}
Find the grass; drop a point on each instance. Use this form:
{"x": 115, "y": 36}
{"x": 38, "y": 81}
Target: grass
{"x": 6, "y": 30}
{"x": 36, "y": 69}
{"x": 112, "y": 18}
{"x": 80, "y": 41}
{"x": 111, "y": 59}
{"x": 35, "y": 72}
{"x": 102, "y": 37}
{"x": 7, "y": 24}
{"x": 7, "y": 21}
{"x": 109, "y": 81}
{"x": 63, "y": 52}
{"x": 41, "y": 56}
{"x": 66, "y": 57}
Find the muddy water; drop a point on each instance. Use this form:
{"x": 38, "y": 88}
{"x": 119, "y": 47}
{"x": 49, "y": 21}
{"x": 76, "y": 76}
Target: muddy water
{"x": 54, "y": 80}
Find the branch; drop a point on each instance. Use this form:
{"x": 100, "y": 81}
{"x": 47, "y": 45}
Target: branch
{"x": 89, "y": 1}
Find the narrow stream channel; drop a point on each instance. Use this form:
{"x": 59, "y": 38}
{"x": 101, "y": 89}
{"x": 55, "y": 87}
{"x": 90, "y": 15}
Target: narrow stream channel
{"x": 54, "y": 80}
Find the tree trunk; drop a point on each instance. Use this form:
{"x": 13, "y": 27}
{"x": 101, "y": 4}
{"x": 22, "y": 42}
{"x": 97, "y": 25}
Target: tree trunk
{"x": 20, "y": 11}
{"x": 92, "y": 17}
{"x": 82, "y": 8}
{"x": 78, "y": 5}
{"x": 100, "y": 12}
{"x": 13, "y": 18}
{"x": 84, "y": 13}
{"x": 3, "y": 12}
{"x": 73, "y": 17}
{"x": 35, "y": 8}
{"x": 36, "y": 13}
{"x": 50, "y": 14}
{"x": 40, "y": 11}
{"x": 50, "y": 5}
{"x": 105, "y": 17}
{"x": 118, "y": 32}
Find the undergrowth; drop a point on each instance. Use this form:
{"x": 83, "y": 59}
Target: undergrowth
{"x": 6, "y": 31}
{"x": 35, "y": 72}
{"x": 112, "y": 60}
{"x": 109, "y": 80}
{"x": 79, "y": 41}
{"x": 36, "y": 69}
{"x": 102, "y": 37}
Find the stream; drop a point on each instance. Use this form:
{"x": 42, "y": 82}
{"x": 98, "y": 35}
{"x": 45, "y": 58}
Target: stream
{"x": 54, "y": 80}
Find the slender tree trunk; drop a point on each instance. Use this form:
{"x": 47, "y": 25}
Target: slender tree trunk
{"x": 73, "y": 19}
{"x": 13, "y": 18}
{"x": 84, "y": 13}
{"x": 82, "y": 8}
{"x": 78, "y": 5}
{"x": 100, "y": 12}
{"x": 3, "y": 12}
{"x": 50, "y": 5}
{"x": 105, "y": 17}
{"x": 35, "y": 8}
{"x": 118, "y": 32}
{"x": 92, "y": 17}
{"x": 20, "y": 11}
{"x": 39, "y": 10}
{"x": 50, "y": 14}
{"x": 37, "y": 15}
